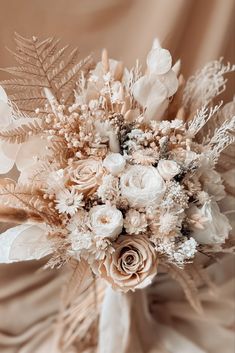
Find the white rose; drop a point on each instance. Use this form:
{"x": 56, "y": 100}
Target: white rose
{"x": 106, "y": 221}
{"x": 215, "y": 227}
{"x": 168, "y": 169}
{"x": 142, "y": 185}
{"x": 114, "y": 163}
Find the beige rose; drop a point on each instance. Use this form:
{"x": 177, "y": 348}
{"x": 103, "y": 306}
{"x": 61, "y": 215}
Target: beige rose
{"x": 132, "y": 265}
{"x": 86, "y": 174}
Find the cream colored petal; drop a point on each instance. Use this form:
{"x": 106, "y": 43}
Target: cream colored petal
{"x": 30, "y": 244}
{"x": 148, "y": 89}
{"x": 6, "y": 163}
{"x": 141, "y": 89}
{"x": 5, "y": 114}
{"x": 10, "y": 150}
{"x": 24, "y": 242}
{"x": 34, "y": 147}
{"x": 170, "y": 81}
{"x": 155, "y": 110}
{"x": 177, "y": 66}
{"x": 159, "y": 61}
{"x": 3, "y": 95}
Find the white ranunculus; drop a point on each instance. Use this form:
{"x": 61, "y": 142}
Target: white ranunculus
{"x": 142, "y": 185}
{"x": 168, "y": 169}
{"x": 215, "y": 228}
{"x": 114, "y": 163}
{"x": 160, "y": 82}
{"x": 106, "y": 221}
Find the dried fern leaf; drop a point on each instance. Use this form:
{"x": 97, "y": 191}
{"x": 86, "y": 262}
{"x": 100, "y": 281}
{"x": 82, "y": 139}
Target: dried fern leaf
{"x": 186, "y": 282}
{"x": 22, "y": 133}
{"x": 43, "y": 65}
{"x": 28, "y": 198}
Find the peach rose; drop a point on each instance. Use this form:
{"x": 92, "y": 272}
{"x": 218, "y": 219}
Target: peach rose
{"x": 132, "y": 265}
{"x": 86, "y": 174}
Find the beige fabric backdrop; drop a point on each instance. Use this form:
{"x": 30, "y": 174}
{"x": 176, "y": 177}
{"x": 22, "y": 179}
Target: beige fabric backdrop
{"x": 194, "y": 30}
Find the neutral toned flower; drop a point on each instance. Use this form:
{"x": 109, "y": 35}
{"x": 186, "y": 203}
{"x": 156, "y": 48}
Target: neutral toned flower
{"x": 142, "y": 185}
{"x": 168, "y": 222}
{"x": 109, "y": 189}
{"x": 114, "y": 163}
{"x": 212, "y": 183}
{"x": 106, "y": 221}
{"x": 135, "y": 222}
{"x": 69, "y": 201}
{"x": 168, "y": 169}
{"x": 81, "y": 241}
{"x": 132, "y": 265}
{"x": 86, "y": 174}
{"x": 160, "y": 83}
{"x": 214, "y": 227}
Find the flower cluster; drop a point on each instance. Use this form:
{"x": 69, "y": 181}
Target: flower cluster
{"x": 125, "y": 177}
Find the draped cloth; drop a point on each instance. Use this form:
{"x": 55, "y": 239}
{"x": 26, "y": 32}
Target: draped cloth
{"x": 159, "y": 320}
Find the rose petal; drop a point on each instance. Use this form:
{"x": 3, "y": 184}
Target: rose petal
{"x": 159, "y": 61}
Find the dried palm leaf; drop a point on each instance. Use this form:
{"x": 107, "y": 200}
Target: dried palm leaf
{"x": 43, "y": 65}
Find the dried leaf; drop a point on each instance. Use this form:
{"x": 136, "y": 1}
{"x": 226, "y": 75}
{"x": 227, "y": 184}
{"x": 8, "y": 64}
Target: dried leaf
{"x": 43, "y": 65}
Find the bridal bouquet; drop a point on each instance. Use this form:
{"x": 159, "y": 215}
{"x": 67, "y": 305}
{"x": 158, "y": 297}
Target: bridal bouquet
{"x": 117, "y": 167}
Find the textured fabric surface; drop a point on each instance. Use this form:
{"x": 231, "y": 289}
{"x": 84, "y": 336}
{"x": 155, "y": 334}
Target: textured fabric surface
{"x": 194, "y": 30}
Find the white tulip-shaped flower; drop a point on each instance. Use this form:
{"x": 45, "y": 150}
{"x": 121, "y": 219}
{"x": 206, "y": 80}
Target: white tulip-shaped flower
{"x": 160, "y": 82}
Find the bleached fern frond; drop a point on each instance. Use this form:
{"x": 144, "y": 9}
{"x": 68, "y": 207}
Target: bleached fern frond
{"x": 202, "y": 116}
{"x": 22, "y": 133}
{"x": 222, "y": 138}
{"x": 43, "y": 65}
{"x": 206, "y": 84}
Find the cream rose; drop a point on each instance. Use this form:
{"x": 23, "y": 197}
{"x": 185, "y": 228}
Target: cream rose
{"x": 106, "y": 221}
{"x": 86, "y": 174}
{"x": 132, "y": 265}
{"x": 168, "y": 169}
{"x": 142, "y": 185}
{"x": 215, "y": 227}
{"x": 114, "y": 163}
